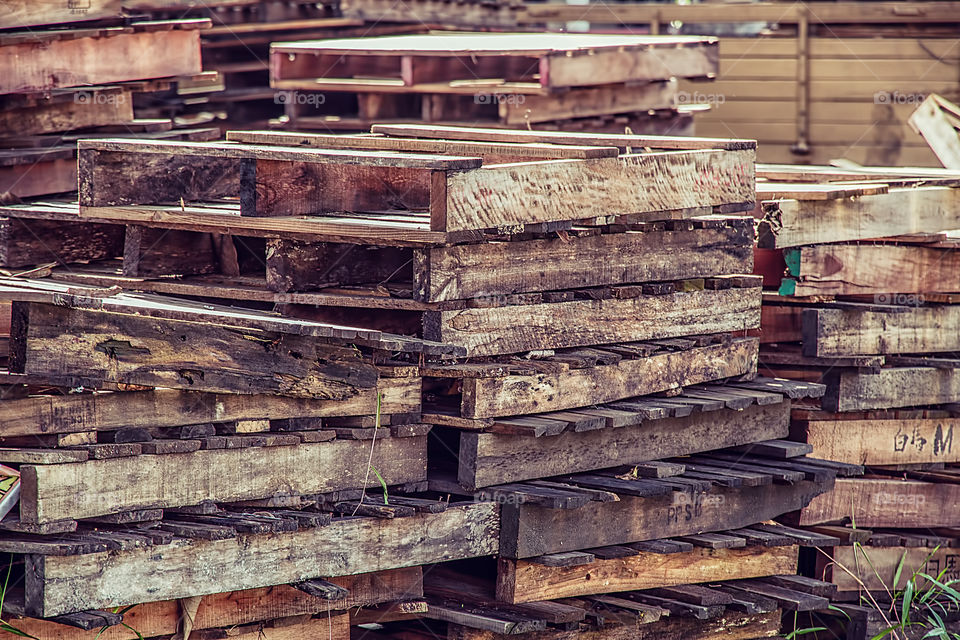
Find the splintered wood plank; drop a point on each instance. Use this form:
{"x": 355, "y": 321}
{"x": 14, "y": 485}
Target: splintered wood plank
{"x": 879, "y": 441}
{"x": 527, "y": 581}
{"x": 514, "y": 395}
{"x": 187, "y": 568}
{"x": 851, "y": 390}
{"x": 219, "y": 475}
{"x": 470, "y": 270}
{"x": 791, "y": 223}
{"x": 526, "y": 193}
{"x": 92, "y": 60}
{"x": 243, "y": 607}
{"x": 531, "y": 530}
{"x": 122, "y": 348}
{"x": 852, "y": 332}
{"x": 518, "y": 328}
{"x": 78, "y": 413}
{"x": 30, "y": 242}
{"x": 938, "y": 130}
{"x": 879, "y": 270}
{"x": 891, "y": 503}
{"x": 874, "y": 568}
{"x": 488, "y": 458}
{"x": 68, "y": 110}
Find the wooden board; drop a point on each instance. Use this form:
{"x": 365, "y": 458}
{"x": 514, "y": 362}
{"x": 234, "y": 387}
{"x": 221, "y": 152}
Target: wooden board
{"x": 877, "y": 441}
{"x": 851, "y": 332}
{"x": 519, "y": 328}
{"x": 78, "y": 413}
{"x": 528, "y": 581}
{"x": 491, "y": 458}
{"x": 471, "y": 270}
{"x": 515, "y": 395}
{"x": 893, "y": 387}
{"x": 529, "y": 530}
{"x": 792, "y": 223}
{"x": 31, "y": 13}
{"x": 241, "y": 607}
{"x": 874, "y": 568}
{"x": 633, "y": 183}
{"x": 219, "y": 475}
{"x": 73, "y": 344}
{"x": 39, "y": 66}
{"x": 931, "y": 120}
{"x": 880, "y": 270}
{"x": 886, "y": 503}
{"x": 184, "y": 568}
{"x": 68, "y": 110}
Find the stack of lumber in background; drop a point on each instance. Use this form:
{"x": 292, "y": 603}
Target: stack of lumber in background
{"x": 544, "y": 81}
{"x": 810, "y": 81}
{"x": 863, "y": 291}
{"x": 73, "y": 87}
{"x": 596, "y": 415}
{"x": 237, "y": 45}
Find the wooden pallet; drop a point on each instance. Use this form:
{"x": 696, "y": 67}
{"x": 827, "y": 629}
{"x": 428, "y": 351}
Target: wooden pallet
{"x": 706, "y": 558}
{"x": 436, "y": 193}
{"x": 704, "y": 418}
{"x": 501, "y": 63}
{"x": 541, "y": 520}
{"x": 276, "y": 548}
{"x": 153, "y": 49}
{"x": 238, "y": 608}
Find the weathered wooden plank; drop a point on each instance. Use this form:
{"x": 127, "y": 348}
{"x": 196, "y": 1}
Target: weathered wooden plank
{"x": 851, "y": 390}
{"x": 514, "y": 394}
{"x": 527, "y": 581}
{"x": 938, "y": 129}
{"x": 792, "y": 223}
{"x": 243, "y": 607}
{"x": 530, "y": 530}
{"x": 879, "y": 441}
{"x": 187, "y": 568}
{"x": 487, "y": 269}
{"x": 874, "y": 568}
{"x": 852, "y": 332}
{"x": 78, "y": 413}
{"x": 68, "y": 111}
{"x": 488, "y": 458}
{"x": 891, "y": 503}
{"x": 39, "y": 66}
{"x": 573, "y": 189}
{"x": 878, "y": 270}
{"x": 71, "y": 344}
{"x": 518, "y": 328}
{"x": 302, "y": 266}
{"x": 219, "y": 475}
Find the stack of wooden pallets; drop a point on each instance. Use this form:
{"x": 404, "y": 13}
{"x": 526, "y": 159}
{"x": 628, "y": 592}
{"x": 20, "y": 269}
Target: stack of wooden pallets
{"x": 567, "y": 316}
{"x": 73, "y": 88}
{"x": 544, "y": 81}
{"x": 863, "y": 262}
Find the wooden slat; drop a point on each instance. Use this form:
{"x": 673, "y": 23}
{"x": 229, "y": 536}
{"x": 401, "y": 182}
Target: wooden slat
{"x": 885, "y": 503}
{"x": 851, "y": 332}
